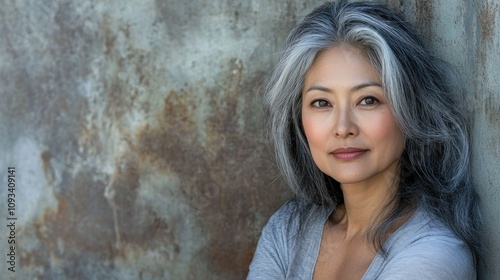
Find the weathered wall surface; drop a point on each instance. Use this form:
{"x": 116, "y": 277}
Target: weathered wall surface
{"x": 467, "y": 35}
{"x": 135, "y": 130}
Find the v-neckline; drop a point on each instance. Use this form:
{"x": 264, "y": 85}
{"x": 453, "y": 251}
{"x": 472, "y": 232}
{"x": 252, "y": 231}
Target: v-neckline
{"x": 378, "y": 255}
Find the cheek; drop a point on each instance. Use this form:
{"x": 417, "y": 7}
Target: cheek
{"x": 313, "y": 129}
{"x": 384, "y": 129}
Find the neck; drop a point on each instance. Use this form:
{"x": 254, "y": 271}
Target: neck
{"x": 365, "y": 203}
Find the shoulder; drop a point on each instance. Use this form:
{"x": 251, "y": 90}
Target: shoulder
{"x": 287, "y": 216}
{"x": 271, "y": 256}
{"x": 285, "y": 224}
{"x": 293, "y": 216}
{"x": 425, "y": 248}
{"x": 281, "y": 240}
{"x": 284, "y": 214}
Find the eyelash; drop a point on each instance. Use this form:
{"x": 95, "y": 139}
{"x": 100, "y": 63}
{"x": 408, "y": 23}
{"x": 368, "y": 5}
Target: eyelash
{"x": 317, "y": 101}
{"x": 375, "y": 101}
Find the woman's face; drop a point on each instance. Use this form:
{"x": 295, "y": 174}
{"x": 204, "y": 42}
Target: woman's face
{"x": 350, "y": 129}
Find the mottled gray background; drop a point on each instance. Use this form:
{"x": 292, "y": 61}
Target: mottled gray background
{"x": 136, "y": 129}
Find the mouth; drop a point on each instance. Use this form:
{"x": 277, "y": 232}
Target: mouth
{"x": 348, "y": 153}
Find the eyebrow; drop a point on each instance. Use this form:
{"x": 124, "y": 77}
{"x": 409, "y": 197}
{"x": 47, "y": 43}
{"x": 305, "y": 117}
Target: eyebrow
{"x": 353, "y": 89}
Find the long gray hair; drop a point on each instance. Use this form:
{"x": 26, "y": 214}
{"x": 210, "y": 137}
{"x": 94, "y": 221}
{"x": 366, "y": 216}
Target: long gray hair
{"x": 434, "y": 173}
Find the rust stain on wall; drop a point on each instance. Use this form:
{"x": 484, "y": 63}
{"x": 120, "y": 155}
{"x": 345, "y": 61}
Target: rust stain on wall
{"x": 48, "y": 170}
{"x": 76, "y": 231}
{"x": 487, "y": 21}
{"x": 221, "y": 171}
{"x": 425, "y": 17}
{"x": 492, "y": 108}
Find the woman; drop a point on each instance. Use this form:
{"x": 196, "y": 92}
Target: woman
{"x": 370, "y": 140}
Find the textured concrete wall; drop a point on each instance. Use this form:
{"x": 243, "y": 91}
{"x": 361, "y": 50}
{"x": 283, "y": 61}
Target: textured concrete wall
{"x": 135, "y": 130}
{"x": 467, "y": 34}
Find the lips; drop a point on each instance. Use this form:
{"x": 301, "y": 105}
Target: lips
{"x": 348, "y": 153}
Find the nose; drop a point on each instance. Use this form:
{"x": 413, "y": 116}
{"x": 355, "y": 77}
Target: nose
{"x": 345, "y": 122}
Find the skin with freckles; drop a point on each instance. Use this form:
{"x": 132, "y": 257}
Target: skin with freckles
{"x": 353, "y": 138}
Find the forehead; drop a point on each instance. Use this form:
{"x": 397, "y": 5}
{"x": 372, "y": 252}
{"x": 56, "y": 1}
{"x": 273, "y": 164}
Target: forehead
{"x": 342, "y": 63}
{"x": 344, "y": 49}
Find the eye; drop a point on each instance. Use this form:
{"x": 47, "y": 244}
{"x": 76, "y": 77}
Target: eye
{"x": 369, "y": 101}
{"x": 320, "y": 103}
